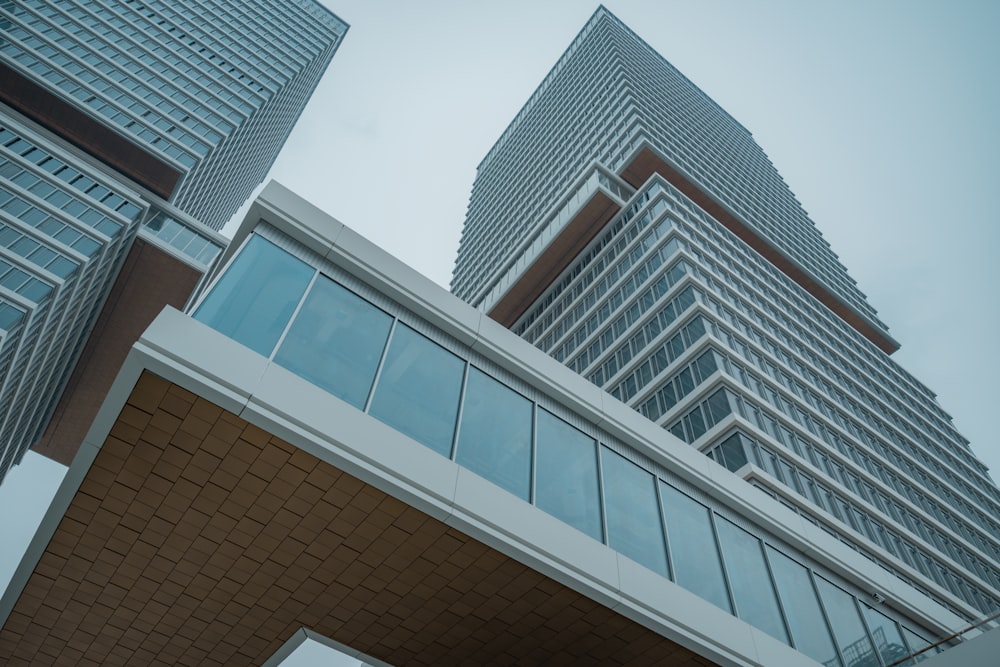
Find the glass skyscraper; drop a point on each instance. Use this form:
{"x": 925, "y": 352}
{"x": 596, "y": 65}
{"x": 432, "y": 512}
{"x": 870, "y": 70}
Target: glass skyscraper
{"x": 628, "y": 226}
{"x": 127, "y": 120}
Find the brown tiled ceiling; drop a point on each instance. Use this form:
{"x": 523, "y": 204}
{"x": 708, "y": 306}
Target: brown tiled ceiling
{"x": 197, "y": 538}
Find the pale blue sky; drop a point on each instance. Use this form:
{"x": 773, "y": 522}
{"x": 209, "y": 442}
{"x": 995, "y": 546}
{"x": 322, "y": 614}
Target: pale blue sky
{"x": 881, "y": 117}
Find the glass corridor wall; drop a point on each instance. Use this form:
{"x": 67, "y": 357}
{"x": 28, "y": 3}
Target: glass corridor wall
{"x": 287, "y": 310}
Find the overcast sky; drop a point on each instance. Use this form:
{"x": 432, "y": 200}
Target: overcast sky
{"x": 880, "y": 116}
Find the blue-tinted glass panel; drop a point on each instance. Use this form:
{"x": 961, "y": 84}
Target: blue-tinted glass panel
{"x": 732, "y": 452}
{"x": 916, "y": 643}
{"x": 694, "y": 556}
{"x": 566, "y": 483}
{"x": 253, "y": 300}
{"x": 494, "y": 438}
{"x": 884, "y": 631}
{"x": 846, "y": 623}
{"x": 418, "y": 388}
{"x": 810, "y": 633}
{"x": 634, "y": 526}
{"x": 752, "y": 592}
{"x": 336, "y": 341}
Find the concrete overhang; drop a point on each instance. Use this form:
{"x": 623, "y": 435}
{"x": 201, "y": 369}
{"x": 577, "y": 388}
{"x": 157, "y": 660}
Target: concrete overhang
{"x": 221, "y": 505}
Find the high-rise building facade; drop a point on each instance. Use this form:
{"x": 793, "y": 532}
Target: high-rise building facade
{"x": 628, "y": 226}
{"x": 211, "y": 88}
{"x": 122, "y": 121}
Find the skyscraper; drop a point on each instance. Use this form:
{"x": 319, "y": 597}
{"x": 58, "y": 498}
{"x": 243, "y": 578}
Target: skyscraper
{"x": 122, "y": 121}
{"x": 628, "y": 226}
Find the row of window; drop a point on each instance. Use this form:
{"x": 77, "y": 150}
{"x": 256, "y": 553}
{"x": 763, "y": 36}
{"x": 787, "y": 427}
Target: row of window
{"x": 599, "y": 255}
{"x": 23, "y": 283}
{"x": 831, "y": 347}
{"x": 118, "y": 105}
{"x": 704, "y": 415}
{"x": 821, "y": 359}
{"x": 701, "y": 418}
{"x": 651, "y": 295}
{"x": 91, "y": 31}
{"x": 953, "y": 512}
{"x": 885, "y": 422}
{"x": 13, "y": 145}
{"x": 40, "y": 255}
{"x": 611, "y": 336}
{"x": 284, "y": 309}
{"x": 10, "y": 317}
{"x": 183, "y": 238}
{"x": 656, "y": 208}
{"x": 595, "y": 181}
{"x": 17, "y": 207}
{"x": 112, "y": 100}
{"x": 737, "y": 450}
{"x": 669, "y": 391}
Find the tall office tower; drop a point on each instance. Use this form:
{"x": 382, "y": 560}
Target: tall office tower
{"x": 628, "y": 226}
{"x": 211, "y": 88}
{"x": 129, "y": 131}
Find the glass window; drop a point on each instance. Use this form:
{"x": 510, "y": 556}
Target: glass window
{"x": 494, "y": 437}
{"x": 693, "y": 552}
{"x": 917, "y": 643}
{"x": 418, "y": 388}
{"x": 336, "y": 341}
{"x": 566, "y": 483}
{"x": 254, "y": 299}
{"x": 806, "y": 623}
{"x": 634, "y": 526}
{"x": 732, "y": 452}
{"x": 846, "y": 623}
{"x": 752, "y": 591}
{"x": 884, "y": 631}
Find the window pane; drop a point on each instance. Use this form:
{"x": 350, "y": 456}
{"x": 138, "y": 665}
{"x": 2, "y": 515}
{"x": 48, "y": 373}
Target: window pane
{"x": 336, "y": 341}
{"x": 494, "y": 439}
{"x": 917, "y": 643}
{"x": 888, "y": 640}
{"x": 805, "y": 618}
{"x": 733, "y": 452}
{"x": 634, "y": 526}
{"x": 755, "y": 600}
{"x": 417, "y": 391}
{"x": 566, "y": 478}
{"x": 693, "y": 553}
{"x": 846, "y": 623}
{"x": 252, "y": 302}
